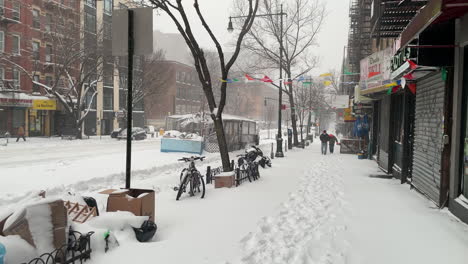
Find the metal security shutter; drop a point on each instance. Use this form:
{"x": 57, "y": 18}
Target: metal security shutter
{"x": 384, "y": 134}
{"x": 428, "y": 135}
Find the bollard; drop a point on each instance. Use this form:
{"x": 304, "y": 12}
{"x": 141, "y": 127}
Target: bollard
{"x": 285, "y": 146}
{"x": 272, "y": 155}
{"x": 208, "y": 175}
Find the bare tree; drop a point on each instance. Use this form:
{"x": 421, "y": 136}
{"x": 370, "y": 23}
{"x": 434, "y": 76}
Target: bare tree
{"x": 303, "y": 22}
{"x": 176, "y": 11}
{"x": 150, "y": 77}
{"x": 74, "y": 58}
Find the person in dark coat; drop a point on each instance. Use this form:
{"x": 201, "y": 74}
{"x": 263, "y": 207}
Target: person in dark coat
{"x": 331, "y": 142}
{"x": 20, "y": 133}
{"x": 324, "y": 139}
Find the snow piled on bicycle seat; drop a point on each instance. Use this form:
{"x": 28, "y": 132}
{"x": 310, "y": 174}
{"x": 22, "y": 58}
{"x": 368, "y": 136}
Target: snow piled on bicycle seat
{"x": 309, "y": 226}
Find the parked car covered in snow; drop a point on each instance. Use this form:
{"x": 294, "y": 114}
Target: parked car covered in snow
{"x": 116, "y": 132}
{"x": 138, "y": 133}
{"x": 150, "y": 130}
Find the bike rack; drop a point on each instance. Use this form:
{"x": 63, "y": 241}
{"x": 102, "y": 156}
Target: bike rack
{"x": 78, "y": 249}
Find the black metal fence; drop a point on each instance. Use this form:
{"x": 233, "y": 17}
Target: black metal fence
{"x": 77, "y": 250}
{"x": 248, "y": 172}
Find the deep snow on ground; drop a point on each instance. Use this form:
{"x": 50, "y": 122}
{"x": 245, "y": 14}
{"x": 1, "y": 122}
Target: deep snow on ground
{"x": 307, "y": 208}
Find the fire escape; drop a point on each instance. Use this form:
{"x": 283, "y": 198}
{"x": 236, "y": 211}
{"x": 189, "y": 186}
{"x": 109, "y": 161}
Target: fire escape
{"x": 359, "y": 40}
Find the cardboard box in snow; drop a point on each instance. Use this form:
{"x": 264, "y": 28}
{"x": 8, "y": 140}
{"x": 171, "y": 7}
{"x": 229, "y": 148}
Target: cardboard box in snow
{"x": 225, "y": 179}
{"x": 138, "y": 201}
{"x": 43, "y": 225}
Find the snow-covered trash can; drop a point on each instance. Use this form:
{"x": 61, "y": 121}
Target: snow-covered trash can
{"x": 225, "y": 180}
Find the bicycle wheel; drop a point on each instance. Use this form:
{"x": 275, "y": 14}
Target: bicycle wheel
{"x": 200, "y": 178}
{"x": 183, "y": 185}
{"x": 245, "y": 172}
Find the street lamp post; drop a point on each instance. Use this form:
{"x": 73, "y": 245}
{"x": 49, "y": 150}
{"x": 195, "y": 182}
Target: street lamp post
{"x": 279, "y": 138}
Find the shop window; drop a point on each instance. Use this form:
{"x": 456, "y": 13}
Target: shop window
{"x": 15, "y": 49}
{"x": 18, "y": 119}
{"x": 16, "y": 12}
{"x": 36, "y": 52}
{"x": 36, "y": 19}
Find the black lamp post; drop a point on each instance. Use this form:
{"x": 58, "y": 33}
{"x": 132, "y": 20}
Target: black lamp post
{"x": 279, "y": 138}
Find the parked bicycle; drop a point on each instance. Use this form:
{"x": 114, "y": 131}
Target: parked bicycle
{"x": 191, "y": 178}
{"x": 255, "y": 154}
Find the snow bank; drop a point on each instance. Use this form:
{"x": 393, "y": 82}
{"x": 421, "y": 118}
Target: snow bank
{"x": 117, "y": 220}
{"x": 17, "y": 250}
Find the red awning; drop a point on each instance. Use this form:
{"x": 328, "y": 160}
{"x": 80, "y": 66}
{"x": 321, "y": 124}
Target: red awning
{"x": 435, "y": 11}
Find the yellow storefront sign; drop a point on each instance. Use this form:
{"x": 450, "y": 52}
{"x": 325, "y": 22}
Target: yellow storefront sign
{"x": 44, "y": 105}
{"x": 348, "y": 116}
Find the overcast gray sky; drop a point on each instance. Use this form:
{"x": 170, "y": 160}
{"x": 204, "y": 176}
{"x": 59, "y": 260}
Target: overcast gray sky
{"x": 332, "y": 38}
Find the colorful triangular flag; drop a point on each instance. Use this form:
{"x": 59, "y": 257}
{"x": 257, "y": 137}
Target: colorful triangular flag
{"x": 372, "y": 74}
{"x": 444, "y": 74}
{"x": 266, "y": 79}
{"x": 223, "y": 80}
{"x": 391, "y": 84}
{"x": 235, "y": 80}
{"x": 408, "y": 76}
{"x": 308, "y": 82}
{"x": 412, "y": 64}
{"x": 412, "y": 87}
{"x": 327, "y": 83}
{"x": 300, "y": 79}
{"x": 249, "y": 78}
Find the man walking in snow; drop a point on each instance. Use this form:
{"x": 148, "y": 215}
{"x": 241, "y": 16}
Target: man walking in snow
{"x": 324, "y": 139}
{"x": 331, "y": 142}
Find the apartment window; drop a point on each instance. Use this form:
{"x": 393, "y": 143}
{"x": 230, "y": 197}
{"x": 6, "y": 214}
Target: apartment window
{"x": 2, "y": 5}
{"x": 108, "y": 99}
{"x": 108, "y": 6}
{"x": 35, "y": 46}
{"x": 2, "y": 41}
{"x": 15, "y": 49}
{"x": 107, "y": 30}
{"x": 36, "y": 19}
{"x": 48, "y": 57}
{"x": 35, "y": 86}
{"x": 16, "y": 13}
{"x": 2, "y": 77}
{"x": 90, "y": 22}
{"x": 16, "y": 79}
{"x": 48, "y": 22}
{"x": 91, "y": 3}
{"x": 49, "y": 81}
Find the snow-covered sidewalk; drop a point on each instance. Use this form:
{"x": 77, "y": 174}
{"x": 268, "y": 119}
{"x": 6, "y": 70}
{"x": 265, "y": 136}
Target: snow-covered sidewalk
{"x": 308, "y": 208}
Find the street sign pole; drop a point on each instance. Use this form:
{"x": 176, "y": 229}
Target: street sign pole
{"x": 129, "y": 99}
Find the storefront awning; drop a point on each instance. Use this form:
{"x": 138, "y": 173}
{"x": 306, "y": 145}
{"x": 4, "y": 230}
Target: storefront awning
{"x": 435, "y": 11}
{"x": 18, "y": 99}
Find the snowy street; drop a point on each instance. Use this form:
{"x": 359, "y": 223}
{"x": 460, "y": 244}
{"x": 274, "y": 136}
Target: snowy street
{"x": 308, "y": 208}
